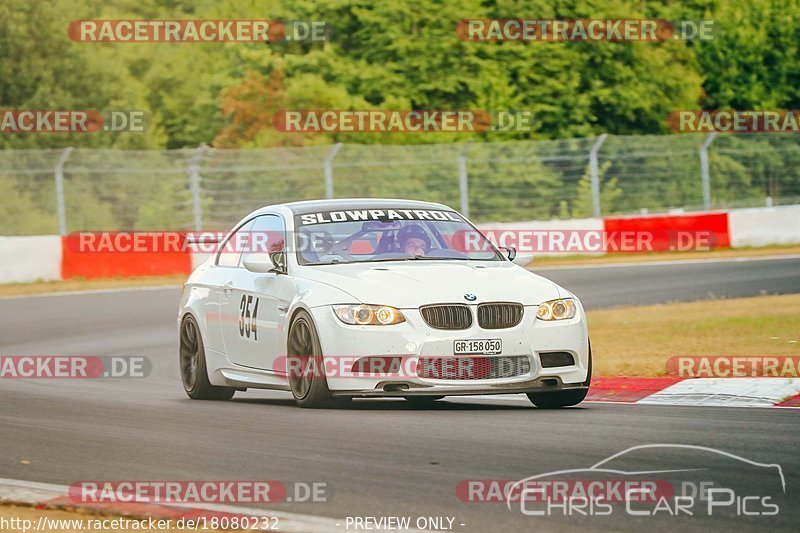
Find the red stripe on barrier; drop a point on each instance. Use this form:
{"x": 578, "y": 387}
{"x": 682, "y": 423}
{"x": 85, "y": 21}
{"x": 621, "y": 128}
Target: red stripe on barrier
{"x": 626, "y": 389}
{"x": 674, "y": 232}
{"x": 794, "y": 401}
{"x": 94, "y": 265}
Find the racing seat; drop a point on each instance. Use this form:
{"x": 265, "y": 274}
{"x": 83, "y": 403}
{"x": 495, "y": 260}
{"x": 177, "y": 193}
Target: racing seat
{"x": 308, "y": 251}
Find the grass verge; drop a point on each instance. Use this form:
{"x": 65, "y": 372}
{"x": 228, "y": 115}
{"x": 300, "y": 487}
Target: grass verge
{"x": 728, "y": 253}
{"x": 637, "y": 341}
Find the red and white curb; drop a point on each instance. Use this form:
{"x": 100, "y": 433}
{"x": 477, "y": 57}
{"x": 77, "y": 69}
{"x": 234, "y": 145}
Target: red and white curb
{"x": 712, "y": 392}
{"x": 47, "y": 496}
{"x": 737, "y": 392}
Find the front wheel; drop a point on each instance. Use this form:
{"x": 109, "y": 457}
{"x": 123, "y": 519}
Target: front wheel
{"x": 567, "y": 398}
{"x": 192, "y": 357}
{"x": 305, "y": 365}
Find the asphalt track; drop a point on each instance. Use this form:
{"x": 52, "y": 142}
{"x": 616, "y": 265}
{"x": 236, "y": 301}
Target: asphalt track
{"x": 677, "y": 281}
{"x": 377, "y": 458}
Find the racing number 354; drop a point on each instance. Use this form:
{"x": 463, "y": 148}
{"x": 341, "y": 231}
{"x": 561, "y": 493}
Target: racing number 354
{"x": 247, "y": 318}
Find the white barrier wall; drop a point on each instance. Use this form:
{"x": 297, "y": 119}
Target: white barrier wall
{"x": 762, "y": 226}
{"x": 25, "y": 259}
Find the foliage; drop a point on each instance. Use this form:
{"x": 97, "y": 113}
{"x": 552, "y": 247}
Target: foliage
{"x": 405, "y": 54}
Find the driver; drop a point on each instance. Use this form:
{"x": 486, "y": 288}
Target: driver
{"x": 413, "y": 240}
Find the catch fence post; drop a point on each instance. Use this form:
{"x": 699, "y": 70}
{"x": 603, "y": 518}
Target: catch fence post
{"x": 594, "y": 174}
{"x": 705, "y": 174}
{"x": 59, "y": 177}
{"x": 463, "y": 181}
{"x": 329, "y": 169}
{"x": 194, "y": 186}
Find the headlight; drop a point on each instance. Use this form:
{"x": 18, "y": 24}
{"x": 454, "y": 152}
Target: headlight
{"x": 368, "y": 315}
{"x": 560, "y": 309}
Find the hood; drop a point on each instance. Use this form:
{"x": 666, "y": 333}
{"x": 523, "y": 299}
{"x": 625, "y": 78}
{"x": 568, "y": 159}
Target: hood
{"x": 410, "y": 284}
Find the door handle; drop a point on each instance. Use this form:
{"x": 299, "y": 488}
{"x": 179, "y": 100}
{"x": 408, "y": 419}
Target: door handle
{"x": 228, "y": 287}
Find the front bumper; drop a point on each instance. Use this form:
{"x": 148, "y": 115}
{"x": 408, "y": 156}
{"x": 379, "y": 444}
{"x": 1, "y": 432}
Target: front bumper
{"x": 414, "y": 338}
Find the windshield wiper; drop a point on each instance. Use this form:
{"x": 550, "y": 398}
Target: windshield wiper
{"x": 414, "y": 258}
{"x": 434, "y": 257}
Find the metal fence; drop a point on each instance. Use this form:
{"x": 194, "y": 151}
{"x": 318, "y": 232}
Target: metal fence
{"x": 60, "y": 191}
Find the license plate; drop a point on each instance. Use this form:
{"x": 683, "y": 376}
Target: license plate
{"x": 478, "y": 347}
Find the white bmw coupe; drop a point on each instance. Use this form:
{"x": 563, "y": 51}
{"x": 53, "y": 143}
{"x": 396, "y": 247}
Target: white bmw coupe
{"x": 336, "y": 299}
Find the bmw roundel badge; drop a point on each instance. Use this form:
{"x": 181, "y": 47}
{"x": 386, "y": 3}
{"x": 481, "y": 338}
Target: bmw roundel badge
{"x": 470, "y": 297}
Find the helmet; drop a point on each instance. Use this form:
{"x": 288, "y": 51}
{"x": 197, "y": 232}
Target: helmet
{"x": 412, "y": 231}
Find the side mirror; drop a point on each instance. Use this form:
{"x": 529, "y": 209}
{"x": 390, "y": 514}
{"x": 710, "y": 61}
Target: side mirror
{"x": 518, "y": 259}
{"x": 278, "y": 260}
{"x": 263, "y": 263}
{"x": 509, "y": 252}
{"x": 523, "y": 259}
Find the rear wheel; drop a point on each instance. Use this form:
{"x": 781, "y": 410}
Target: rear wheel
{"x": 305, "y": 365}
{"x": 192, "y": 358}
{"x": 567, "y": 398}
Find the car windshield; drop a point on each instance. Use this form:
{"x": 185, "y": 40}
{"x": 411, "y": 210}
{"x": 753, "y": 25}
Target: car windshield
{"x": 374, "y": 235}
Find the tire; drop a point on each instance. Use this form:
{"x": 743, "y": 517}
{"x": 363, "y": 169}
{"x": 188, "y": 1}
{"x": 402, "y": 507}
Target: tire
{"x": 307, "y": 379}
{"x": 192, "y": 361}
{"x": 422, "y": 400}
{"x": 567, "y": 398}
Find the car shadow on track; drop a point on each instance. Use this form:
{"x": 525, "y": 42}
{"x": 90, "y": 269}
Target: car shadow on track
{"x": 440, "y": 405}
{"x": 396, "y": 405}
